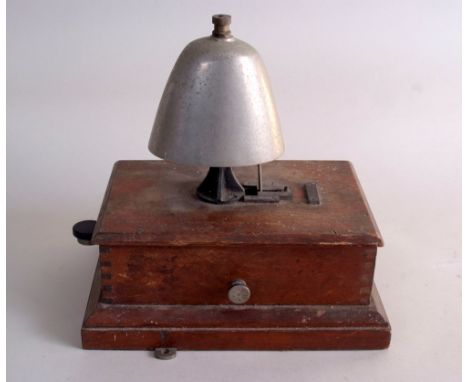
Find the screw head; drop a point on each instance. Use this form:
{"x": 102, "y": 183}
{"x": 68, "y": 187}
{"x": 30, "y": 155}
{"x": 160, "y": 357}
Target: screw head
{"x": 239, "y": 293}
{"x": 221, "y": 20}
{"x": 221, "y": 26}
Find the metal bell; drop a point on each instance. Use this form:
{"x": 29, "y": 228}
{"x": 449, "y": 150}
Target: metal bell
{"x": 217, "y": 109}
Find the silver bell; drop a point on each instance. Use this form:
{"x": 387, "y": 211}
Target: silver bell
{"x": 217, "y": 109}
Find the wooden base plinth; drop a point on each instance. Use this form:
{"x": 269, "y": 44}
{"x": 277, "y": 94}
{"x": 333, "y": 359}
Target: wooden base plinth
{"x": 231, "y": 327}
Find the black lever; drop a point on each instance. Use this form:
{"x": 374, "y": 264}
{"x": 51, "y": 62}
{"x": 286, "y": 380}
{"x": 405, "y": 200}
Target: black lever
{"x": 83, "y": 231}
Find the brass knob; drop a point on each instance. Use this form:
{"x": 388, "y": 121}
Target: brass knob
{"x": 239, "y": 293}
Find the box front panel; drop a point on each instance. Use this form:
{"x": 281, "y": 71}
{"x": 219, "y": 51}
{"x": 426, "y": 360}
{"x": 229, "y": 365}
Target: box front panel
{"x": 285, "y": 275}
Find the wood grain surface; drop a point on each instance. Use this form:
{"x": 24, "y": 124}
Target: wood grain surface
{"x": 154, "y": 203}
{"x": 167, "y": 261}
{"x": 275, "y": 274}
{"x": 231, "y": 327}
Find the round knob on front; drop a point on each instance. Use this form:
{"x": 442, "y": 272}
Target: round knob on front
{"x": 239, "y": 293}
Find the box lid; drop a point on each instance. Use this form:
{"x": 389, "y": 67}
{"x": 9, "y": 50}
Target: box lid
{"x": 154, "y": 203}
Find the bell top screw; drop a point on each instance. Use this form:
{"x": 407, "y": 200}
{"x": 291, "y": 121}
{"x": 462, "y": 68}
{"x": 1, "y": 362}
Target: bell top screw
{"x": 222, "y": 26}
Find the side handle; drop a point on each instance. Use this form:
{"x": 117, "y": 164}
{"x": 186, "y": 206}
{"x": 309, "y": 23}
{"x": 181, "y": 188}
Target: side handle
{"x": 83, "y": 231}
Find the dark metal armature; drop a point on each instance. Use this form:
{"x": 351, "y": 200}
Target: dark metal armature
{"x": 220, "y": 186}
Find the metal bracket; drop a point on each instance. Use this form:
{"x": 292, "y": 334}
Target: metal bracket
{"x": 312, "y": 193}
{"x": 220, "y": 186}
{"x": 269, "y": 194}
{"x": 259, "y": 194}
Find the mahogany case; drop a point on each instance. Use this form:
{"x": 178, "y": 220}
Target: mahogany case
{"x": 167, "y": 261}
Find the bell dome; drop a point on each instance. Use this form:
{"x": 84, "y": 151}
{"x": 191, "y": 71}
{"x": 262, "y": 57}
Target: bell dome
{"x": 217, "y": 109}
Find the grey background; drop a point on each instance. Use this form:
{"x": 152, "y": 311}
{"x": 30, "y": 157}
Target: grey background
{"x": 376, "y": 82}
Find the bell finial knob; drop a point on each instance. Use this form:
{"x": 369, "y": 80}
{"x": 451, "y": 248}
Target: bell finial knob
{"x": 222, "y": 27}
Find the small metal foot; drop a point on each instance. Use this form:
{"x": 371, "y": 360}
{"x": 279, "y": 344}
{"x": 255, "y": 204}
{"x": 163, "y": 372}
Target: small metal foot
{"x": 165, "y": 353}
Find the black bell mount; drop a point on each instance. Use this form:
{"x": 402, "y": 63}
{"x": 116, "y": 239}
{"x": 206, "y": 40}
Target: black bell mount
{"x": 220, "y": 186}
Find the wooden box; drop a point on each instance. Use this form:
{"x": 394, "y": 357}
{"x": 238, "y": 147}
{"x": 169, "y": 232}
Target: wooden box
{"x": 167, "y": 261}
